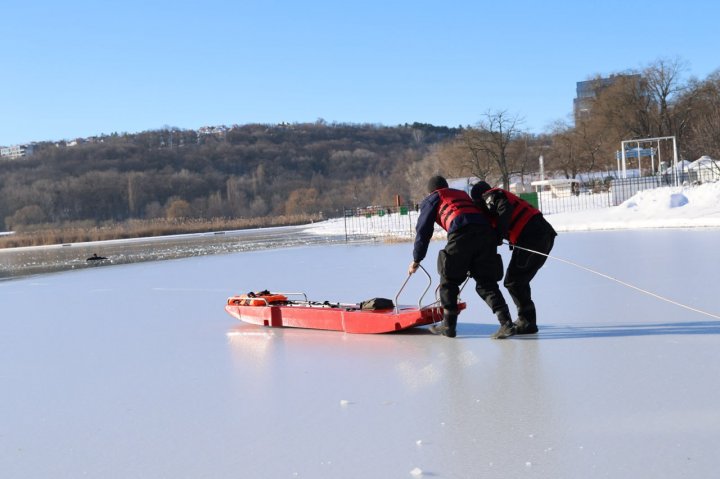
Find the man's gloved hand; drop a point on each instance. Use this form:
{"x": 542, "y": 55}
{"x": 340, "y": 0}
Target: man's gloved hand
{"x": 413, "y": 267}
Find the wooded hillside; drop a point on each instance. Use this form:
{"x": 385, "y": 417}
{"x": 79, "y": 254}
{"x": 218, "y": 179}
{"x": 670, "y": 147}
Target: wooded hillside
{"x": 240, "y": 172}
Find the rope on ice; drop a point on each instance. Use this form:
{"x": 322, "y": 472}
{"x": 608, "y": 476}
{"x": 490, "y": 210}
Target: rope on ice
{"x": 650, "y": 293}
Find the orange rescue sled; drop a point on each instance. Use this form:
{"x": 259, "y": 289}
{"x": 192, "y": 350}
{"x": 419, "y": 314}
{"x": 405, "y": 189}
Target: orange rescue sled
{"x": 280, "y": 310}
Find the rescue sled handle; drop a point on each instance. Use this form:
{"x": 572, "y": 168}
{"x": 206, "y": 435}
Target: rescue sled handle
{"x": 297, "y": 294}
{"x": 403, "y": 287}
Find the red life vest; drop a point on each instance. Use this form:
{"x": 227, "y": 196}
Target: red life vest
{"x": 521, "y": 214}
{"x": 452, "y": 204}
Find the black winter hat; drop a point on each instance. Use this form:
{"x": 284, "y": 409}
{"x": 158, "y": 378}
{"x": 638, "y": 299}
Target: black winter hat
{"x": 436, "y": 182}
{"x": 479, "y": 189}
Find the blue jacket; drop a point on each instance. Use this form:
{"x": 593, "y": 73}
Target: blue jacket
{"x": 426, "y": 224}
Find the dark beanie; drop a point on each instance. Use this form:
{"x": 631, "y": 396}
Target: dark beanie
{"x": 479, "y": 189}
{"x": 436, "y": 183}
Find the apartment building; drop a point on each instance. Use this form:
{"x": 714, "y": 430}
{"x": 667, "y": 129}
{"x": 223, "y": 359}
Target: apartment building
{"x": 588, "y": 90}
{"x": 14, "y": 152}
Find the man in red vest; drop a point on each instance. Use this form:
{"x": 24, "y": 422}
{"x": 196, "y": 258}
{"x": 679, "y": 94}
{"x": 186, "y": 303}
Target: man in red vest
{"x": 471, "y": 248}
{"x": 522, "y": 225}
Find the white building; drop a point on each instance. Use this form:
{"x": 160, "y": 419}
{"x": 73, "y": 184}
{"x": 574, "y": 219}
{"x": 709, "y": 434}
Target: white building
{"x": 704, "y": 169}
{"x": 17, "y": 151}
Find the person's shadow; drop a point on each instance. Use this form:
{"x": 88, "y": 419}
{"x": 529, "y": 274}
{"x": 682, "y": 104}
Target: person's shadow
{"x": 598, "y": 331}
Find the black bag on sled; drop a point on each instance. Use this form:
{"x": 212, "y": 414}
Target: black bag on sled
{"x": 377, "y": 303}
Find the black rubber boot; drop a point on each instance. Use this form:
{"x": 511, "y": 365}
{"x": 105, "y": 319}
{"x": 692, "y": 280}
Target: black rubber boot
{"x": 450, "y": 322}
{"x": 526, "y": 322}
{"x": 447, "y": 326}
{"x": 506, "y": 328}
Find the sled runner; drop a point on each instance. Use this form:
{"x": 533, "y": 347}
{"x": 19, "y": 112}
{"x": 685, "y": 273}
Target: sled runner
{"x": 294, "y": 310}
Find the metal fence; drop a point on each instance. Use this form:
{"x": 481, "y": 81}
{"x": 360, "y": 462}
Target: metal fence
{"x": 613, "y": 192}
{"x": 399, "y": 221}
{"x": 549, "y": 202}
{"x": 375, "y": 221}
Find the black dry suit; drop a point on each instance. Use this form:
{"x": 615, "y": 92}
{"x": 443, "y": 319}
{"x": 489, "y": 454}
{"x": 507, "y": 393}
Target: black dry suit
{"x": 523, "y": 226}
{"x": 471, "y": 248}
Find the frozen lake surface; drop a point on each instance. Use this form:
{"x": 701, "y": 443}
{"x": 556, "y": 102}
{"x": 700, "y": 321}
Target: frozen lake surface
{"x": 135, "y": 370}
{"x": 16, "y": 262}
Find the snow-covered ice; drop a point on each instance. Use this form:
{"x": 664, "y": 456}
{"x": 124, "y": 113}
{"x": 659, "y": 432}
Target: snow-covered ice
{"x": 135, "y": 370}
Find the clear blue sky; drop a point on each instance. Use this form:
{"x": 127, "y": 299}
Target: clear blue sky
{"x": 81, "y": 68}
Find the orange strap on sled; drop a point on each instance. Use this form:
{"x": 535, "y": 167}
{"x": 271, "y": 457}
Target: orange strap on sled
{"x": 264, "y": 298}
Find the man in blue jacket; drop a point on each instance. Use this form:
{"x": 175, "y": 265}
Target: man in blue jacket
{"x": 471, "y": 249}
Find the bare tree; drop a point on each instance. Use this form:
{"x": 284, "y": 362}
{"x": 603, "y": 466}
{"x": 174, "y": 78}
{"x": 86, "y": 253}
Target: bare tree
{"x": 704, "y": 133}
{"x": 632, "y": 105}
{"x": 565, "y": 150}
{"x": 471, "y": 159}
{"x": 490, "y": 141}
{"x": 419, "y": 171}
{"x": 526, "y": 151}
{"x": 636, "y": 105}
{"x": 663, "y": 83}
{"x": 622, "y": 110}
{"x": 590, "y": 146}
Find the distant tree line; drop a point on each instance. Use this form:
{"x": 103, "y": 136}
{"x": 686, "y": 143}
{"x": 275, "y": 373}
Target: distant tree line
{"x": 241, "y": 172}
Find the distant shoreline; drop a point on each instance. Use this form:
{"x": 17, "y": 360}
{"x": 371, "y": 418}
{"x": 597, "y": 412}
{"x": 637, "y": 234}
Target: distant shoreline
{"x": 49, "y": 235}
